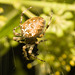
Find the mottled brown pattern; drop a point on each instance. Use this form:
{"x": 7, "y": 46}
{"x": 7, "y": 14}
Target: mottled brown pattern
{"x": 33, "y": 27}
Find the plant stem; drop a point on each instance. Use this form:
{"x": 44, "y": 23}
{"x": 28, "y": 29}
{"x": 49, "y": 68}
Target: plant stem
{"x": 41, "y": 4}
{"x": 49, "y": 4}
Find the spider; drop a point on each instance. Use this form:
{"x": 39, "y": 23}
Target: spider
{"x": 31, "y": 29}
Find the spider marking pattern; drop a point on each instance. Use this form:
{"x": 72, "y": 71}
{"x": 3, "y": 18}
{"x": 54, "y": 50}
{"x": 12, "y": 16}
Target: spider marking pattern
{"x": 31, "y": 29}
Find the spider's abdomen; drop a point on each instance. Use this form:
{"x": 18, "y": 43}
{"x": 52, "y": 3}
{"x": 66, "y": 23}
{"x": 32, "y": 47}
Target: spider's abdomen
{"x": 33, "y": 27}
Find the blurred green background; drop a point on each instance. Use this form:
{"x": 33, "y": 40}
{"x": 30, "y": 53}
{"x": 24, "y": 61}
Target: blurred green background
{"x": 59, "y": 49}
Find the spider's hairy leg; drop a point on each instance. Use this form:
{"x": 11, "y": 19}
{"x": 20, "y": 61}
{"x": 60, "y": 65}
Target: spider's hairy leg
{"x": 22, "y": 15}
{"x": 30, "y": 49}
{"x": 15, "y": 33}
{"x": 49, "y": 23}
{"x": 24, "y": 52}
{"x": 40, "y": 41}
{"x": 18, "y": 39}
{"x": 32, "y": 55}
{"x": 41, "y": 35}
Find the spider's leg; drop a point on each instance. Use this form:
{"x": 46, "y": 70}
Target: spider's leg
{"x": 30, "y": 49}
{"x": 15, "y": 33}
{"x": 41, "y": 35}
{"x": 22, "y": 15}
{"x": 49, "y": 23}
{"x": 32, "y": 55}
{"x": 24, "y": 52}
{"x": 19, "y": 39}
{"x": 40, "y": 41}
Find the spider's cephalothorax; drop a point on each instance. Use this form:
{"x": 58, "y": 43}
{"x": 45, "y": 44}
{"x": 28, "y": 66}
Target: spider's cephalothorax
{"x": 31, "y": 29}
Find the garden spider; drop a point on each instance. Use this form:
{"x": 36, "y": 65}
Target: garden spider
{"x": 31, "y": 29}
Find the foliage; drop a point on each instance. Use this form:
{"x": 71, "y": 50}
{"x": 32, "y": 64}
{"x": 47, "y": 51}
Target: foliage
{"x": 59, "y": 50}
